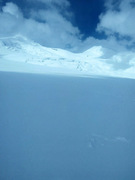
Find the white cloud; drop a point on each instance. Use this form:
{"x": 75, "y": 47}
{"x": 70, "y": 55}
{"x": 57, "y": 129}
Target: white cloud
{"x": 10, "y": 20}
{"x": 47, "y": 27}
{"x": 120, "y": 20}
{"x": 58, "y": 29}
{"x": 12, "y": 9}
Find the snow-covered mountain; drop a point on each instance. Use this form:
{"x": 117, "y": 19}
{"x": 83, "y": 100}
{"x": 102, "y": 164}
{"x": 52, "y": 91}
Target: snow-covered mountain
{"x": 22, "y": 55}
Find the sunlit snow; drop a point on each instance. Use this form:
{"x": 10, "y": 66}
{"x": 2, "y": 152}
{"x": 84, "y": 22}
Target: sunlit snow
{"x": 19, "y": 54}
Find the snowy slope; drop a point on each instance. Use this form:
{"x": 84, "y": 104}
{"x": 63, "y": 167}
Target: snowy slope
{"x": 20, "y": 54}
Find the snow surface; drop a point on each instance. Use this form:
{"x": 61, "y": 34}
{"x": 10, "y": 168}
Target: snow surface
{"x": 19, "y": 54}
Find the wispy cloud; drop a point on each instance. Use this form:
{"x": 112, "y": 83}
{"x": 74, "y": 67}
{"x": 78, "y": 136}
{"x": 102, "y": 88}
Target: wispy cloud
{"x": 61, "y": 3}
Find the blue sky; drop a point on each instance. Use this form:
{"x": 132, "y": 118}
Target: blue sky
{"x": 85, "y": 14}
{"x": 75, "y": 25}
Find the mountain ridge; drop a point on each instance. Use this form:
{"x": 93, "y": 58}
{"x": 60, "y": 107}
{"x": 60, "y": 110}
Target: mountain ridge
{"x": 18, "y": 49}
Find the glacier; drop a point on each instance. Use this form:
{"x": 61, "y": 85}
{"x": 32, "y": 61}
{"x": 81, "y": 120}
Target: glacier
{"x": 19, "y": 54}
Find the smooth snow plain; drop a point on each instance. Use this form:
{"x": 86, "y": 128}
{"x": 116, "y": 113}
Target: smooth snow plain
{"x": 66, "y": 128}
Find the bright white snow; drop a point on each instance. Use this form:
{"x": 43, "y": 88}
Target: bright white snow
{"x": 19, "y": 54}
